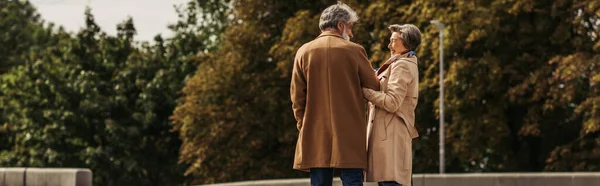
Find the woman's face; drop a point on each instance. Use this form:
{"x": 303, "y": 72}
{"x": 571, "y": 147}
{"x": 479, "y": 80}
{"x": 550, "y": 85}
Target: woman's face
{"x": 396, "y": 46}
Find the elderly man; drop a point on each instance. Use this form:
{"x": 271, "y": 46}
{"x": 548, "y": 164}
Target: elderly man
{"x": 328, "y": 102}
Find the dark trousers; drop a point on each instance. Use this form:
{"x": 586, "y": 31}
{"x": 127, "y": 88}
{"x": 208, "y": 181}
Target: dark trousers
{"x": 388, "y": 183}
{"x": 324, "y": 177}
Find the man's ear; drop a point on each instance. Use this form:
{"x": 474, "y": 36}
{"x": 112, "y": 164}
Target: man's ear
{"x": 340, "y": 26}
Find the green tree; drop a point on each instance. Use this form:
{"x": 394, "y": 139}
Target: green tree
{"x": 23, "y": 32}
{"x": 98, "y": 102}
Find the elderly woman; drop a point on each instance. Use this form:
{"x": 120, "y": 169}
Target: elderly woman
{"x": 391, "y": 125}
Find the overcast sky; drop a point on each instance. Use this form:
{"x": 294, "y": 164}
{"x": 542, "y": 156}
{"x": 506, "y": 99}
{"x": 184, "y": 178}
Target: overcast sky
{"x": 150, "y": 16}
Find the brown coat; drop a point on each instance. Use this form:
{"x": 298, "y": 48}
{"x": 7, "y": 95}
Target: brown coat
{"x": 329, "y": 104}
{"x": 391, "y": 125}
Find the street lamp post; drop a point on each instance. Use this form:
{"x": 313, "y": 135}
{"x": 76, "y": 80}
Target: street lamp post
{"x": 440, "y": 26}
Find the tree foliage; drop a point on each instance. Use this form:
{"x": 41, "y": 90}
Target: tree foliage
{"x": 100, "y": 102}
{"x": 212, "y": 101}
{"x": 235, "y": 112}
{"x": 521, "y": 86}
{"x": 23, "y": 33}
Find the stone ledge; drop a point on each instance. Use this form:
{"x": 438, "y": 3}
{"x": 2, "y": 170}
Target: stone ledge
{"x": 468, "y": 179}
{"x": 45, "y": 177}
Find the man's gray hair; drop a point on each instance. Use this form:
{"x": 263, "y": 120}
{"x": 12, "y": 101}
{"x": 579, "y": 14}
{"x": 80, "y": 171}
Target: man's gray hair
{"x": 335, "y": 13}
{"x": 410, "y": 35}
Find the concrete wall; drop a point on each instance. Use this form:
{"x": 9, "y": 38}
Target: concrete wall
{"x": 45, "y": 177}
{"x": 477, "y": 179}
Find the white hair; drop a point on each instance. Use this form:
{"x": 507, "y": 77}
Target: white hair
{"x": 335, "y": 13}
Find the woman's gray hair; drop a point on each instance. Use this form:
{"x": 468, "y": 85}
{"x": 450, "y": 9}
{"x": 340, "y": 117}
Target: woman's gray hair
{"x": 410, "y": 35}
{"x": 335, "y": 13}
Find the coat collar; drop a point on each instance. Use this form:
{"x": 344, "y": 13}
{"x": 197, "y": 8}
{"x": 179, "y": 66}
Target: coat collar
{"x": 330, "y": 33}
{"x": 407, "y": 57}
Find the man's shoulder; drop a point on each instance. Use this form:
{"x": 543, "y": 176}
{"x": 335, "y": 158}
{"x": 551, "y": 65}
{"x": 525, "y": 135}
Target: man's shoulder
{"x": 302, "y": 49}
{"x": 350, "y": 45}
{"x": 326, "y": 42}
{"x": 306, "y": 45}
{"x": 355, "y": 46}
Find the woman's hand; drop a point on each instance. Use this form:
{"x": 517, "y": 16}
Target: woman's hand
{"x": 367, "y": 92}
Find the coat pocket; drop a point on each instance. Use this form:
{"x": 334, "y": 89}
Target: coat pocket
{"x": 403, "y": 144}
{"x": 385, "y": 124}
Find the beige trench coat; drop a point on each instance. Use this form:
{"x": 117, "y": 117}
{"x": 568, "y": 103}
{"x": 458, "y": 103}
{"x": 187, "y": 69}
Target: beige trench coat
{"x": 328, "y": 102}
{"x": 391, "y": 121}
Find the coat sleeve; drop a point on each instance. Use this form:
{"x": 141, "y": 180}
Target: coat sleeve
{"x": 400, "y": 78}
{"x": 368, "y": 78}
{"x": 298, "y": 91}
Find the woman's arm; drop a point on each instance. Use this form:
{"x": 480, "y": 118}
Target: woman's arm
{"x": 399, "y": 79}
